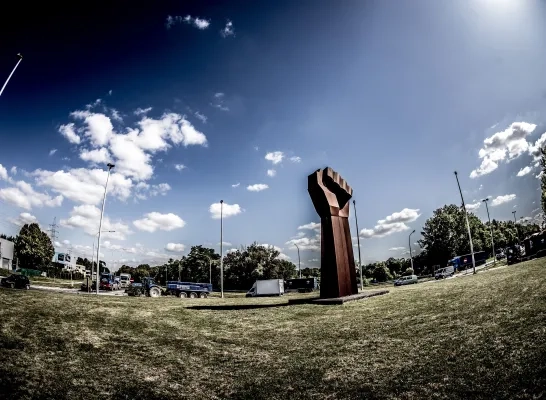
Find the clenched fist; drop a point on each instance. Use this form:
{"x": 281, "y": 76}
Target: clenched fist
{"x": 330, "y": 193}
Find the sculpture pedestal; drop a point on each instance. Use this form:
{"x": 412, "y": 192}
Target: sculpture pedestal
{"x": 338, "y": 300}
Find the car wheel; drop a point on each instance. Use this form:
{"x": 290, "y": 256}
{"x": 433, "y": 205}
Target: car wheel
{"x": 155, "y": 292}
{"x": 203, "y": 295}
{"x": 182, "y": 295}
{"x": 193, "y": 295}
{"x": 27, "y": 287}
{"x": 12, "y": 285}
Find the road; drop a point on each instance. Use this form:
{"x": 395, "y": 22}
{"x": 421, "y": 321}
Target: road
{"x": 77, "y": 291}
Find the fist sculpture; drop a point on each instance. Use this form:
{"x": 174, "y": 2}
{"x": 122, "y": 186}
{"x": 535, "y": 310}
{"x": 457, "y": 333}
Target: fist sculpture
{"x": 330, "y": 195}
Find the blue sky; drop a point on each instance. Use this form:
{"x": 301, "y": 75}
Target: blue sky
{"x": 393, "y": 95}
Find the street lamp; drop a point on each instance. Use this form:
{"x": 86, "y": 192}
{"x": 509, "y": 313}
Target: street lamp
{"x": 516, "y": 224}
{"x": 110, "y": 166}
{"x": 14, "y": 68}
{"x": 358, "y": 241}
{"x": 221, "y": 249}
{"x": 467, "y": 224}
{"x": 410, "y": 253}
{"x": 491, "y": 229}
{"x": 299, "y": 262}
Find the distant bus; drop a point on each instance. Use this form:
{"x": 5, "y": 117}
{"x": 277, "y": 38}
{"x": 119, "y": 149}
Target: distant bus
{"x": 462, "y": 262}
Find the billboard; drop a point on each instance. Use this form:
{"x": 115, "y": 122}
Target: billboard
{"x": 63, "y": 258}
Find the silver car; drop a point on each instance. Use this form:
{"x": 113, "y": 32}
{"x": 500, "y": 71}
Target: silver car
{"x": 406, "y": 280}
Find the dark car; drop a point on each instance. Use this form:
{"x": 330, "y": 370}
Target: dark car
{"x": 16, "y": 281}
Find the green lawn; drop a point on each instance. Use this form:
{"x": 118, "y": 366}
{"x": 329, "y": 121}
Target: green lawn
{"x": 479, "y": 336}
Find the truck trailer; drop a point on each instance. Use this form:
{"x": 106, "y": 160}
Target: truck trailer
{"x": 269, "y": 287}
{"x": 188, "y": 289}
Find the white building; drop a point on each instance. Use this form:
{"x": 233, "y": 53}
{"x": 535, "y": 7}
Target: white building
{"x": 6, "y": 254}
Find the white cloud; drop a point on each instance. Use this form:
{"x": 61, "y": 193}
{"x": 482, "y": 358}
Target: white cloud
{"x": 69, "y": 133}
{"x": 13, "y": 170}
{"x": 473, "y": 206}
{"x": 311, "y": 225}
{"x": 525, "y": 171}
{"x": 24, "y": 218}
{"x": 179, "y": 167}
{"x": 110, "y": 92}
{"x": 275, "y": 157}
{"x": 175, "y": 247}
{"x": 228, "y": 210}
{"x": 509, "y": 143}
{"x": 271, "y": 172}
{"x": 397, "y": 248}
{"x": 3, "y": 173}
{"x": 199, "y": 23}
{"x": 84, "y": 185}
{"x": 132, "y": 151}
{"x": 257, "y": 187}
{"x": 283, "y": 256}
{"x": 396, "y": 222}
{"x": 97, "y": 156}
{"x": 116, "y": 115}
{"x": 52, "y": 151}
{"x": 305, "y": 243}
{"x": 24, "y": 196}
{"x": 228, "y": 29}
{"x": 236, "y": 185}
{"x": 140, "y": 111}
{"x": 154, "y": 221}
{"x": 87, "y": 218}
{"x": 277, "y": 248}
{"x": 66, "y": 242}
{"x": 200, "y": 117}
{"x": 225, "y": 244}
{"x": 219, "y": 95}
{"x": 295, "y": 159}
{"x": 99, "y": 127}
{"x": 497, "y": 201}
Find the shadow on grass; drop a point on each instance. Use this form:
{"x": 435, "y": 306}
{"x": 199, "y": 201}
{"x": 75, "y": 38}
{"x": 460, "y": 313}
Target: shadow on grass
{"x": 238, "y": 306}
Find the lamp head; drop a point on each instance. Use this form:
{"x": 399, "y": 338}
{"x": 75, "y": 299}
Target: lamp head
{"x": 110, "y": 165}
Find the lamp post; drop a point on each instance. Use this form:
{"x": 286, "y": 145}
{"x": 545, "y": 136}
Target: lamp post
{"x": 14, "y": 68}
{"x": 516, "y": 225}
{"x": 221, "y": 249}
{"x": 410, "y": 253}
{"x": 358, "y": 241}
{"x": 467, "y": 224}
{"x": 110, "y": 166}
{"x": 299, "y": 261}
{"x": 491, "y": 230}
{"x": 93, "y": 257}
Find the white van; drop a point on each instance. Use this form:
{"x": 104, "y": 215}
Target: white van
{"x": 406, "y": 280}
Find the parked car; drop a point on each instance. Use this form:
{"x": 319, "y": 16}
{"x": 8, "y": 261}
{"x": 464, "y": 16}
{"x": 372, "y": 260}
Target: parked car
{"x": 444, "y": 272}
{"x": 16, "y": 281}
{"x": 406, "y": 280}
{"x": 500, "y": 256}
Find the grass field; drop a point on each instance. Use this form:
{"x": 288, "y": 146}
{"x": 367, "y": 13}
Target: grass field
{"x": 481, "y": 336}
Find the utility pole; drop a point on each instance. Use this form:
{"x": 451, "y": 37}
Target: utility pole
{"x": 9, "y": 77}
{"x": 467, "y": 224}
{"x": 110, "y": 166}
{"x": 516, "y": 226}
{"x": 411, "y": 254}
{"x": 358, "y": 241}
{"x": 221, "y": 248}
{"x": 299, "y": 262}
{"x": 53, "y": 232}
{"x": 491, "y": 230}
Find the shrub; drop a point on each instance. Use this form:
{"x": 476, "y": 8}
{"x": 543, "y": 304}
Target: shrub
{"x": 381, "y": 273}
{"x": 407, "y": 272}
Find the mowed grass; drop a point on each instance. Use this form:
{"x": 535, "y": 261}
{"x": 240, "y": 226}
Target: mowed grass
{"x": 481, "y": 336}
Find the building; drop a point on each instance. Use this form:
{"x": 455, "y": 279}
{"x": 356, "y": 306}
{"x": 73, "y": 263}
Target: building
{"x": 6, "y": 254}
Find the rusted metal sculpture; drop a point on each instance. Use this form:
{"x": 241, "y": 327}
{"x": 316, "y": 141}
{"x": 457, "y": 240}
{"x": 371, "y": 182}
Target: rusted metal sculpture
{"x": 330, "y": 195}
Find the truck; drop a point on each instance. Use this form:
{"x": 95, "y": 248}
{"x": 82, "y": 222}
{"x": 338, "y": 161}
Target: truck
{"x": 301, "y": 285}
{"x": 188, "y": 289}
{"x": 462, "y": 262}
{"x": 268, "y": 287}
{"x": 125, "y": 280}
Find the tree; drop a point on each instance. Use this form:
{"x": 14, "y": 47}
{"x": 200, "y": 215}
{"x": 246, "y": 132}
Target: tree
{"x": 445, "y": 235}
{"x": 381, "y": 273}
{"x": 34, "y": 248}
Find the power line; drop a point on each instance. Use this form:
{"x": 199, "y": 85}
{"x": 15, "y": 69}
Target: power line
{"x": 53, "y": 232}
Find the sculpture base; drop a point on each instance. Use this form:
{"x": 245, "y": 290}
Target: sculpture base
{"x": 338, "y": 300}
